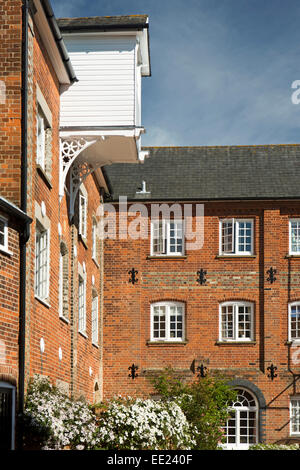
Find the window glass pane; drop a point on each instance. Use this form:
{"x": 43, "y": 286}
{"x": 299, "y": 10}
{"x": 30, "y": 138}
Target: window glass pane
{"x": 295, "y": 321}
{"x": 2, "y": 233}
{"x": 244, "y": 236}
{"x": 295, "y": 236}
{"x": 295, "y": 416}
{"x": 227, "y": 236}
{"x": 41, "y": 264}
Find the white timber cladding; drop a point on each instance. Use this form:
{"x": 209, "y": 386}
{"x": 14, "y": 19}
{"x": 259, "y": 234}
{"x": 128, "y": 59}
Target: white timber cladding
{"x": 108, "y": 89}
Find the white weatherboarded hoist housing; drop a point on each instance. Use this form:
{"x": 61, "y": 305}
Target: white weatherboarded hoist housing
{"x": 100, "y": 119}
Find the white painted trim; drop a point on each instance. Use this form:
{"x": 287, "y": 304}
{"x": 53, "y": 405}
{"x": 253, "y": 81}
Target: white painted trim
{"x": 294, "y": 219}
{"x": 5, "y": 233}
{"x": 167, "y": 338}
{"x": 293, "y": 398}
{"x": 235, "y": 305}
{"x": 236, "y": 252}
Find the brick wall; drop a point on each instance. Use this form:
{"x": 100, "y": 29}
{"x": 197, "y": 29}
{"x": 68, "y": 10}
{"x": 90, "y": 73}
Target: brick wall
{"x": 78, "y": 370}
{"x": 126, "y": 329}
{"x": 10, "y": 98}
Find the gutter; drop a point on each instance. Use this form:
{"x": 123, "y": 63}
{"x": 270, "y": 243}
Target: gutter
{"x": 58, "y": 39}
{"x": 24, "y": 235}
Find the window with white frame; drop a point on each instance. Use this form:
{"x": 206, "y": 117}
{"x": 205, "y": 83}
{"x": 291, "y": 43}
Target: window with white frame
{"x": 41, "y": 262}
{"x": 81, "y": 305}
{"x": 236, "y": 321}
{"x": 241, "y": 429}
{"x": 82, "y": 215}
{"x": 294, "y": 321}
{"x": 236, "y": 237}
{"x": 94, "y": 240}
{"x": 167, "y": 238}
{"x": 63, "y": 289}
{"x": 95, "y": 318}
{"x": 167, "y": 321}
{"x": 294, "y": 237}
{"x": 41, "y": 138}
{"x": 295, "y": 415}
{"x": 3, "y": 234}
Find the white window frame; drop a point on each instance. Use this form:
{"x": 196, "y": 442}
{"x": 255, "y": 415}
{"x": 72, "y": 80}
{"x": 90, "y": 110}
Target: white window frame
{"x": 165, "y": 239}
{"x": 82, "y": 313}
{"x": 237, "y": 411}
{"x": 94, "y": 240}
{"x": 4, "y": 246}
{"x": 82, "y": 215}
{"x": 41, "y": 138}
{"x": 291, "y": 252}
{"x": 167, "y": 337}
{"x": 235, "y": 234}
{"x": 294, "y": 399}
{"x": 235, "y": 305}
{"x": 95, "y": 320}
{"x": 292, "y": 304}
{"x": 41, "y": 231}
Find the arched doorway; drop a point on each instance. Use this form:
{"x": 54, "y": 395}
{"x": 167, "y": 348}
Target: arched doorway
{"x": 7, "y": 416}
{"x": 241, "y": 430}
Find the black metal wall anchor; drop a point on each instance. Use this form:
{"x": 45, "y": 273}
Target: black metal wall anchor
{"x": 271, "y": 273}
{"x": 201, "y": 279}
{"x": 202, "y": 371}
{"x": 133, "y": 279}
{"x": 272, "y": 370}
{"x": 133, "y": 374}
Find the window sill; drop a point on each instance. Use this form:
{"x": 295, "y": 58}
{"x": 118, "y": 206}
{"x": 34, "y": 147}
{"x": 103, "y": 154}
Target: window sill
{"x": 95, "y": 345}
{"x": 169, "y": 257}
{"x": 64, "y": 319}
{"x": 82, "y": 333}
{"x": 235, "y": 343}
{"x": 84, "y": 241}
{"x": 96, "y": 262}
{"x": 295, "y": 342}
{"x": 43, "y": 302}
{"x": 43, "y": 175}
{"x": 166, "y": 343}
{"x": 235, "y": 256}
{"x": 292, "y": 256}
{"x": 5, "y": 251}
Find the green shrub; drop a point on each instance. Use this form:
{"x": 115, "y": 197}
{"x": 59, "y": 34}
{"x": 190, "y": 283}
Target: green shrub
{"x": 204, "y": 403}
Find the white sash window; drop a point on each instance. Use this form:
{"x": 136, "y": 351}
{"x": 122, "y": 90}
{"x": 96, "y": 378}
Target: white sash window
{"x": 236, "y": 237}
{"x": 167, "y": 238}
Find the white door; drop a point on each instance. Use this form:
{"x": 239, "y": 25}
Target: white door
{"x": 241, "y": 428}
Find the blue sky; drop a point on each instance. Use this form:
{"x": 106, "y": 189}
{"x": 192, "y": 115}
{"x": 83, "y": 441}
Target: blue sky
{"x": 221, "y": 70}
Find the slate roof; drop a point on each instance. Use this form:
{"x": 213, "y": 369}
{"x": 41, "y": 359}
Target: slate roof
{"x": 210, "y": 173}
{"x": 99, "y": 23}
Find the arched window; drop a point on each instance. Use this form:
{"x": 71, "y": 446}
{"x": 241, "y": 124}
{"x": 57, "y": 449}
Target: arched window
{"x": 241, "y": 429}
{"x": 167, "y": 321}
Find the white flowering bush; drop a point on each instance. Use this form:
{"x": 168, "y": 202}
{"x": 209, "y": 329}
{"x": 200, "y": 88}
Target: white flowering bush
{"x": 138, "y": 424}
{"x": 58, "y": 421}
{"x": 275, "y": 447}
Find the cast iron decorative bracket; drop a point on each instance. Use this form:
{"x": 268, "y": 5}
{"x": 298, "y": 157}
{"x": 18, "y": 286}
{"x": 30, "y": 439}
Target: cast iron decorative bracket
{"x": 271, "y": 273}
{"x": 201, "y": 279}
{"x": 202, "y": 371}
{"x": 133, "y": 374}
{"x": 272, "y": 370}
{"x": 133, "y": 279}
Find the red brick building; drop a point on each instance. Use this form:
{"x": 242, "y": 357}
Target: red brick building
{"x": 51, "y": 291}
{"x": 228, "y": 303}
